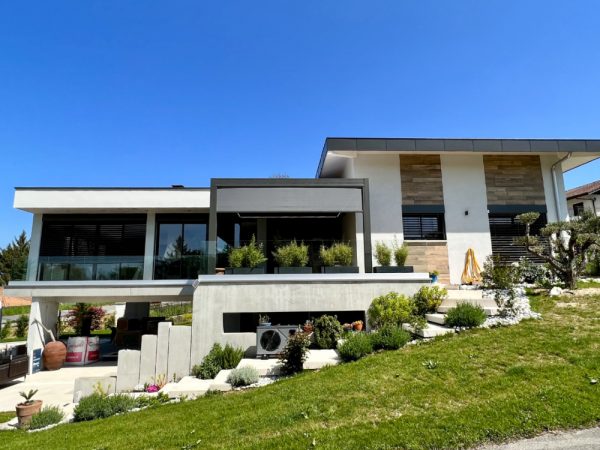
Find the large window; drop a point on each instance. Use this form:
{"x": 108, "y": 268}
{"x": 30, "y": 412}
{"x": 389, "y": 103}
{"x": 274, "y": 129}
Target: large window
{"x": 92, "y": 247}
{"x": 181, "y": 246}
{"x": 578, "y": 209}
{"x": 419, "y": 226}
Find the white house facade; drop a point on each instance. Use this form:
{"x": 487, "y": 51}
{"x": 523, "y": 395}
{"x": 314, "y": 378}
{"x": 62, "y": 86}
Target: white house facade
{"x": 441, "y": 197}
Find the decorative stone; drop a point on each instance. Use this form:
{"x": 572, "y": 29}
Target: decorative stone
{"x": 148, "y": 359}
{"x": 555, "y": 291}
{"x": 180, "y": 342}
{"x": 128, "y": 370}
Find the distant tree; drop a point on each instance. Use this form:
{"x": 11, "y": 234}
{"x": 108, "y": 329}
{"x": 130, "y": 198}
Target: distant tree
{"x": 569, "y": 243}
{"x": 13, "y": 260}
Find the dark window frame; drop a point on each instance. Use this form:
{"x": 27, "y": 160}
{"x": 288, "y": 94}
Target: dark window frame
{"x": 424, "y": 233}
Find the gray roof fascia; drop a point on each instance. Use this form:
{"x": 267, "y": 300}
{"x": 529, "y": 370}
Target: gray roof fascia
{"x": 438, "y": 145}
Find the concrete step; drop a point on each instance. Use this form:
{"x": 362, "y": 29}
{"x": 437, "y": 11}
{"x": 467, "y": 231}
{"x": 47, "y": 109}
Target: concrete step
{"x": 438, "y": 319}
{"x": 484, "y": 302}
{"x": 490, "y": 311}
{"x": 465, "y": 294}
{"x": 431, "y": 330}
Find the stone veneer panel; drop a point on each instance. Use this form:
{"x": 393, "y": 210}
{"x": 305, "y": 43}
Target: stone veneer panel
{"x": 421, "y": 180}
{"x": 514, "y": 180}
{"x": 427, "y": 256}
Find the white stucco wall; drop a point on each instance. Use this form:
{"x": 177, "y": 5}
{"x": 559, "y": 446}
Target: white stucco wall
{"x": 463, "y": 178}
{"x": 385, "y": 194}
{"x": 588, "y": 205}
{"x": 546, "y": 162}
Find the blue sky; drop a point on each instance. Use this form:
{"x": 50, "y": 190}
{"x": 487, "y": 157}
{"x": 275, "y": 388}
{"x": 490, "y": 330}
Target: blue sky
{"x": 131, "y": 93}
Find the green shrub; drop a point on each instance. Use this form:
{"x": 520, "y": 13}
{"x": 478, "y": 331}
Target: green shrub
{"x": 390, "y": 337}
{"x": 390, "y": 309}
{"x": 400, "y": 255}
{"x": 22, "y": 325}
{"x": 499, "y": 274}
{"x": 6, "y": 329}
{"x": 292, "y": 255}
{"x": 217, "y": 359}
{"x": 47, "y": 416}
{"x": 327, "y": 331}
{"x": 250, "y": 255}
{"x": 244, "y": 376}
{"x": 465, "y": 315}
{"x": 355, "y": 347}
{"x": 294, "y": 353}
{"x": 231, "y": 357}
{"x": 338, "y": 254}
{"x": 99, "y": 406}
{"x": 428, "y": 299}
{"x": 148, "y": 401}
{"x": 383, "y": 254}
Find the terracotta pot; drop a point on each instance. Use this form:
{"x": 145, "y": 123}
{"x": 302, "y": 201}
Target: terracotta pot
{"x": 54, "y": 355}
{"x": 358, "y": 326}
{"x": 308, "y": 329}
{"x": 24, "y": 412}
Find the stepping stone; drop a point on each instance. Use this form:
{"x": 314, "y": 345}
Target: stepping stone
{"x": 189, "y": 387}
{"x": 265, "y": 367}
{"x": 429, "y": 331}
{"x": 318, "y": 359}
{"x": 439, "y": 319}
{"x": 220, "y": 382}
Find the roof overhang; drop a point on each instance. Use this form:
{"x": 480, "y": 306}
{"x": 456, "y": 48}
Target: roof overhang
{"x": 110, "y": 200}
{"x": 104, "y": 291}
{"x": 336, "y": 151}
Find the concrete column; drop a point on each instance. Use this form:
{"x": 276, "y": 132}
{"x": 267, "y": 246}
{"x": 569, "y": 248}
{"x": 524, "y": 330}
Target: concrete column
{"x": 43, "y": 312}
{"x": 467, "y": 220}
{"x": 149, "y": 246}
{"x": 148, "y": 358}
{"x": 34, "y": 247}
{"x": 128, "y": 370}
{"x": 180, "y": 343}
{"x": 162, "y": 349}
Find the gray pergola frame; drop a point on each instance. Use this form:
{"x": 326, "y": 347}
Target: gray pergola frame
{"x": 350, "y": 183}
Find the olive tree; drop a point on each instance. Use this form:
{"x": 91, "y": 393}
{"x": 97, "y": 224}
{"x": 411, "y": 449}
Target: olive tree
{"x": 565, "y": 246}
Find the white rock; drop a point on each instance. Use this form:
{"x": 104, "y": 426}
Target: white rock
{"x": 555, "y": 291}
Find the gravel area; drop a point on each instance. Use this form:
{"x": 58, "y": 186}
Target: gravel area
{"x": 521, "y": 309}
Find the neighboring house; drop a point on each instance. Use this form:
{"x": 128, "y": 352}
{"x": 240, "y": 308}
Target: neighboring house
{"x": 13, "y": 301}
{"x": 584, "y": 198}
{"x": 439, "y": 196}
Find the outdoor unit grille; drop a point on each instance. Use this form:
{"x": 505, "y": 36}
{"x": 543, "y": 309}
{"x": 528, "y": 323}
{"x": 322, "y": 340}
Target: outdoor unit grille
{"x": 271, "y": 340}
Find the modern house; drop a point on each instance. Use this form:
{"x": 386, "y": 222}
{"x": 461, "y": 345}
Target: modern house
{"x": 439, "y": 196}
{"x": 584, "y": 198}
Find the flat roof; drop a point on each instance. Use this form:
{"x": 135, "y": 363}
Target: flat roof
{"x": 441, "y": 145}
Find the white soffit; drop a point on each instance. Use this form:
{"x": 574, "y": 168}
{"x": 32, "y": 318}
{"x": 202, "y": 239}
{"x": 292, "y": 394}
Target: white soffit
{"x": 67, "y": 200}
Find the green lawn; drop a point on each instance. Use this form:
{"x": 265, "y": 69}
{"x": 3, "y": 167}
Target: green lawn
{"x": 5, "y": 416}
{"x": 16, "y": 310}
{"x": 488, "y": 386}
{"x": 587, "y": 284}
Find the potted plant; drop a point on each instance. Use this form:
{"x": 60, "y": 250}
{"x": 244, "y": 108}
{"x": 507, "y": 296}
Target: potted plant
{"x": 26, "y": 409}
{"x": 264, "y": 320}
{"x": 434, "y": 276}
{"x": 383, "y": 255}
{"x": 357, "y": 325}
{"x": 247, "y": 260}
{"x": 308, "y": 327}
{"x": 337, "y": 259}
{"x": 292, "y": 258}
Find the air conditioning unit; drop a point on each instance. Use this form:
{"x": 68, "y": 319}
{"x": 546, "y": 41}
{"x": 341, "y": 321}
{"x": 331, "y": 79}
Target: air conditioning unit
{"x": 271, "y": 340}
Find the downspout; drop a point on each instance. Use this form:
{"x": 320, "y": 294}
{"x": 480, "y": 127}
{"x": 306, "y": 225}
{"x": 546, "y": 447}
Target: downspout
{"x": 555, "y": 184}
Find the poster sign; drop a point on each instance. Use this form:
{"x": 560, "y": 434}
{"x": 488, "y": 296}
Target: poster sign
{"x": 36, "y": 361}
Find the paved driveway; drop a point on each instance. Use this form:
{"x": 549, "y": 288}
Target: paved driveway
{"x": 571, "y": 440}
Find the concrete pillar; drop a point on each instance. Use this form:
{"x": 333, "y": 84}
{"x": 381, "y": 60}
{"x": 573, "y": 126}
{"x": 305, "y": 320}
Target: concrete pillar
{"x": 119, "y": 311}
{"x": 180, "y": 343}
{"x": 34, "y": 247}
{"x": 128, "y": 370}
{"x": 162, "y": 349}
{"x": 148, "y": 358}
{"x": 149, "y": 246}
{"x": 43, "y": 312}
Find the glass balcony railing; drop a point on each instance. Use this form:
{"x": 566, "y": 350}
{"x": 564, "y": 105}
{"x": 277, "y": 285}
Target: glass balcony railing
{"x": 61, "y": 268}
{"x": 186, "y": 267}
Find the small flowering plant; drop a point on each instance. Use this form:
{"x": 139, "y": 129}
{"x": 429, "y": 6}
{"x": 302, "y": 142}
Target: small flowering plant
{"x": 347, "y": 327}
{"x": 152, "y": 388}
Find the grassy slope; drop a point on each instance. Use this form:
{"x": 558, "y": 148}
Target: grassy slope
{"x": 490, "y": 385}
{"x": 5, "y": 416}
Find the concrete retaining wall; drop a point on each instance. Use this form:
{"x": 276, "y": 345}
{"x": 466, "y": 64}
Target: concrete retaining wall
{"x": 283, "y": 293}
